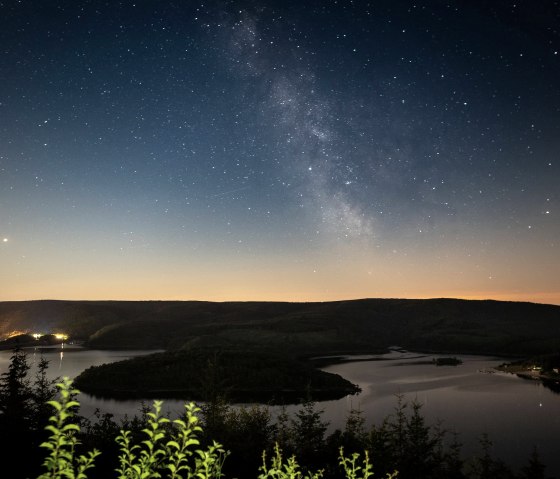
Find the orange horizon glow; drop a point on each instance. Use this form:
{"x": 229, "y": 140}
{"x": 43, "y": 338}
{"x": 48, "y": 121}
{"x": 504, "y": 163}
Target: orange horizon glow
{"x": 539, "y": 298}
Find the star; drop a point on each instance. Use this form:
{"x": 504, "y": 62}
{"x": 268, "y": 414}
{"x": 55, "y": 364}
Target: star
{"x": 327, "y": 124}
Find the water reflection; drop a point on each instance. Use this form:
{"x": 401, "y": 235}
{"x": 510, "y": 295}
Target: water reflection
{"x": 552, "y": 385}
{"x": 517, "y": 414}
{"x": 61, "y": 356}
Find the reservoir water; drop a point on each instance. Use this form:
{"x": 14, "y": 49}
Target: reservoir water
{"x": 469, "y": 399}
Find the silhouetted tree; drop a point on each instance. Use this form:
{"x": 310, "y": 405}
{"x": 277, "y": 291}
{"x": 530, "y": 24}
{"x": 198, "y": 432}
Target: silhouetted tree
{"x": 354, "y": 436}
{"x": 535, "y": 468}
{"x": 282, "y": 433}
{"x": 16, "y": 406}
{"x": 43, "y": 391}
{"x": 486, "y": 466}
{"x": 248, "y": 432}
{"x": 308, "y": 433}
{"x": 421, "y": 450}
{"x": 24, "y": 411}
{"x": 451, "y": 464}
{"x": 379, "y": 444}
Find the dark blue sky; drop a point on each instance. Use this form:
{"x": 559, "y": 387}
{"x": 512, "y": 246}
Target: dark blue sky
{"x": 279, "y": 150}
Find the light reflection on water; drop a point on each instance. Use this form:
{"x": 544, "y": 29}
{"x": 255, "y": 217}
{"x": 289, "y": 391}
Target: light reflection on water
{"x": 517, "y": 414}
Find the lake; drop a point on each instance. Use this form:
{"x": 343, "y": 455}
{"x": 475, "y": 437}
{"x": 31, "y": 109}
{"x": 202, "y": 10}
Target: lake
{"x": 517, "y": 414}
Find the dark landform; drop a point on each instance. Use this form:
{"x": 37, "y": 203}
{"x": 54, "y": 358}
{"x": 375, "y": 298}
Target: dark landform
{"x": 544, "y": 368}
{"x": 265, "y": 338}
{"x": 447, "y": 361}
{"x": 204, "y": 375}
{"x": 442, "y": 325}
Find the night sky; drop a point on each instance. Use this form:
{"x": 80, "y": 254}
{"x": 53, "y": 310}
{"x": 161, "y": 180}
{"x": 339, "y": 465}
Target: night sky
{"x": 280, "y": 150}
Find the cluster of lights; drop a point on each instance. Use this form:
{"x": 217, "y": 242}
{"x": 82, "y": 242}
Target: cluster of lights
{"x": 60, "y": 336}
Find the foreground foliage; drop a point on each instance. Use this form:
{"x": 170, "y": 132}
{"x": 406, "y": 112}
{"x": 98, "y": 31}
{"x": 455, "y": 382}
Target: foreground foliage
{"x": 171, "y": 450}
{"x": 62, "y": 461}
{"x": 151, "y": 445}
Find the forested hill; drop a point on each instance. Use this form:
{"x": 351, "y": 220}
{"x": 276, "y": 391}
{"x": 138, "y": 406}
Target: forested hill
{"x": 302, "y": 328}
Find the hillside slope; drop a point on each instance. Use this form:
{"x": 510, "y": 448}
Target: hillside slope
{"x": 298, "y": 328}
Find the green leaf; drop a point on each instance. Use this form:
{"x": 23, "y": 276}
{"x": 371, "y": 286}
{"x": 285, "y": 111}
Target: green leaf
{"x": 174, "y": 444}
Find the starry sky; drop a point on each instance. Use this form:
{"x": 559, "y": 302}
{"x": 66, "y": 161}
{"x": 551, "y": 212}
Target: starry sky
{"x": 279, "y": 150}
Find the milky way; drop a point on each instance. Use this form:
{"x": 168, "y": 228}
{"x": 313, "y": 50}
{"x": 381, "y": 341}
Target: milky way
{"x": 279, "y": 150}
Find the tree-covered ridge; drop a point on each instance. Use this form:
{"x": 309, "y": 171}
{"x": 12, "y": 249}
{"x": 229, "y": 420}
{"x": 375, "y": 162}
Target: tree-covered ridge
{"x": 201, "y": 374}
{"x": 294, "y": 447}
{"x": 446, "y": 325}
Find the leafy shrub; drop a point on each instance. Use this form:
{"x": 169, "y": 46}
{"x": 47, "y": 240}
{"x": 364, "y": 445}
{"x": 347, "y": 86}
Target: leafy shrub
{"x": 62, "y": 461}
{"x": 171, "y": 449}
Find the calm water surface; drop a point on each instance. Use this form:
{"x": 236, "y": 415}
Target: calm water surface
{"x": 517, "y": 414}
